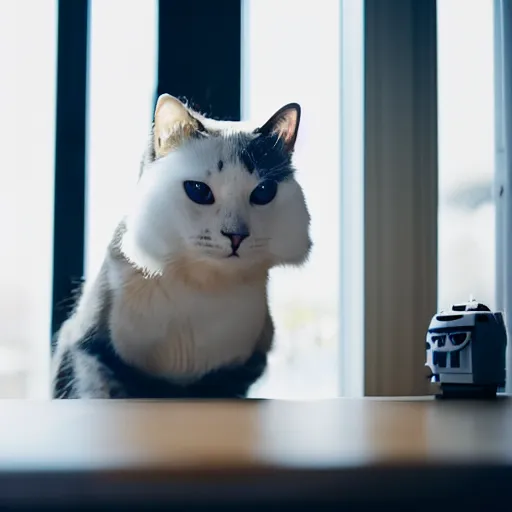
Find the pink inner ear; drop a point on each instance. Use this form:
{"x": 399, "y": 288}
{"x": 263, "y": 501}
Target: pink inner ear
{"x": 287, "y": 124}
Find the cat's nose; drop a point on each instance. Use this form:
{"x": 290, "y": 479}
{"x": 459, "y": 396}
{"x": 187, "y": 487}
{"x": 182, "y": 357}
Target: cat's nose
{"x": 235, "y": 238}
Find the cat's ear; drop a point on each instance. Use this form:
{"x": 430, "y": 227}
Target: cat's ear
{"x": 173, "y": 124}
{"x": 285, "y": 124}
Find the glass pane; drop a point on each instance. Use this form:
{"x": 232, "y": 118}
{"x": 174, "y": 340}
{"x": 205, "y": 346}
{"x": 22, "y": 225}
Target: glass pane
{"x": 27, "y": 127}
{"x": 122, "y": 84}
{"x": 466, "y": 152}
{"x": 291, "y": 52}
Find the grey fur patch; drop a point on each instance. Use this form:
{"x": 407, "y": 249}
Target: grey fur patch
{"x": 92, "y": 377}
{"x": 64, "y": 381}
{"x": 81, "y": 375}
{"x": 92, "y": 369}
{"x": 266, "y": 155}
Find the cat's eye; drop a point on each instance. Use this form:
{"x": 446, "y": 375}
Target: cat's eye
{"x": 264, "y": 193}
{"x": 199, "y": 192}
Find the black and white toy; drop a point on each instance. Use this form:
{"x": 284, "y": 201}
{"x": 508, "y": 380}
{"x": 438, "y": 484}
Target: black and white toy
{"x": 466, "y": 349}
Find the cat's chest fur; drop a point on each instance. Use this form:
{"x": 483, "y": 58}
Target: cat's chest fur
{"x": 185, "y": 331}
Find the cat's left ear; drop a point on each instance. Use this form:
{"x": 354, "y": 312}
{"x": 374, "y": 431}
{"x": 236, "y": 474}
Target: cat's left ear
{"x": 285, "y": 124}
{"x": 174, "y": 124}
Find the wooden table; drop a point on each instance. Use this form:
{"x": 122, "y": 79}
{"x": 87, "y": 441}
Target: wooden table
{"x": 422, "y": 454}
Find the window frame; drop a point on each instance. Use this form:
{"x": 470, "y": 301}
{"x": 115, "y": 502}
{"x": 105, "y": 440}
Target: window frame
{"x": 352, "y": 119}
{"x": 503, "y": 166}
{"x": 70, "y": 156}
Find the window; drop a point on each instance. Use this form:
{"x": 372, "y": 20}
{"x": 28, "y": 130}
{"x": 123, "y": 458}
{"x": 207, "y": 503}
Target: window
{"x": 27, "y": 123}
{"x": 294, "y": 55}
{"x": 466, "y": 152}
{"x": 122, "y": 84}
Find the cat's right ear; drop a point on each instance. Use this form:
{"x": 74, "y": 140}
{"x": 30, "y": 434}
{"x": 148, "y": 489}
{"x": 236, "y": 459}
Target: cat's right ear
{"x": 173, "y": 124}
{"x": 285, "y": 124}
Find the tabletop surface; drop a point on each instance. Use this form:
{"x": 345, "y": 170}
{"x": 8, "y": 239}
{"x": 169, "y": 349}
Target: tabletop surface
{"x": 194, "y": 440}
{"x": 111, "y": 435}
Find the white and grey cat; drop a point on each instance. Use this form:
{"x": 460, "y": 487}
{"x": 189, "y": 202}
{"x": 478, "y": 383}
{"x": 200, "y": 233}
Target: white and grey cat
{"x": 179, "y": 307}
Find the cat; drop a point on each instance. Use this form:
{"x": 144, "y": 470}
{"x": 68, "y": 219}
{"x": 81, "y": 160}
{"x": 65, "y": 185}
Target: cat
{"x": 179, "y": 308}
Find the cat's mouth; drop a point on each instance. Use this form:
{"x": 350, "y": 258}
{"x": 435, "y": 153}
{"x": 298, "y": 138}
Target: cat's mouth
{"x": 234, "y": 254}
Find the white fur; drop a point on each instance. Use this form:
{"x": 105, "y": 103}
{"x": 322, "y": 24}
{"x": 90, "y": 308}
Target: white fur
{"x": 176, "y": 331}
{"x": 164, "y": 223}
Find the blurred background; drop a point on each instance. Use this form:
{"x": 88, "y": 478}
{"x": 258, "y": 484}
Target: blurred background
{"x": 78, "y": 84}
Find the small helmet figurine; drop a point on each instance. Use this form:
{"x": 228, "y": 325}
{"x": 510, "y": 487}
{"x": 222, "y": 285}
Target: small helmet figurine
{"x": 466, "y": 349}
